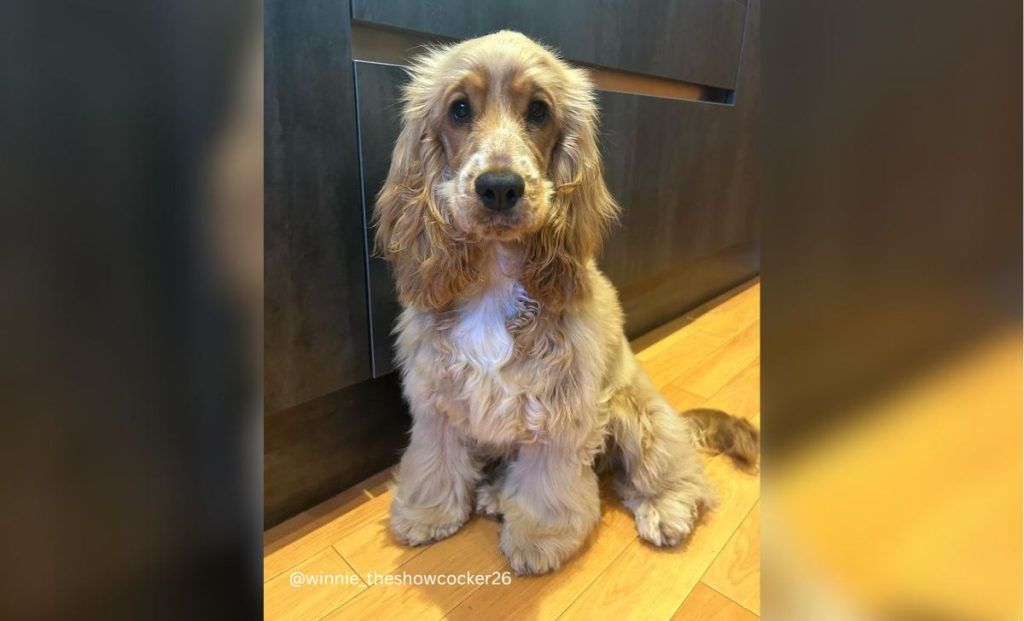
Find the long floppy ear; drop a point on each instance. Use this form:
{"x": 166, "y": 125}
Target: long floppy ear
{"x": 430, "y": 259}
{"x": 557, "y": 255}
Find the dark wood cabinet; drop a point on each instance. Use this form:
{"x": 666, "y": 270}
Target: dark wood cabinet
{"x": 684, "y": 170}
{"x": 315, "y": 319}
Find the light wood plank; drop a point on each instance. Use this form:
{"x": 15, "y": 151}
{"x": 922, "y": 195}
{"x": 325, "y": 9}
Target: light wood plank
{"x": 682, "y": 399}
{"x": 665, "y": 336}
{"x": 715, "y": 370}
{"x": 736, "y": 573}
{"x": 704, "y": 604}
{"x": 284, "y": 601}
{"x": 372, "y": 547}
{"x": 689, "y": 351}
{"x": 546, "y": 597}
{"x": 728, "y": 320}
{"x": 659, "y": 339}
{"x": 728, "y": 301}
{"x": 741, "y": 396}
{"x": 651, "y": 583}
{"x": 474, "y": 549}
{"x": 334, "y": 529}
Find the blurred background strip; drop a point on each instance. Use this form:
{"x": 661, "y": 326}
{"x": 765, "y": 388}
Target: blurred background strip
{"x": 891, "y": 191}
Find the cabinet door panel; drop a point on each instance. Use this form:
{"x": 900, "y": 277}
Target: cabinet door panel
{"x": 315, "y": 326}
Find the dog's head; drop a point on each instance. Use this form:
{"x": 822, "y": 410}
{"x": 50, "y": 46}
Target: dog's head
{"x": 498, "y": 145}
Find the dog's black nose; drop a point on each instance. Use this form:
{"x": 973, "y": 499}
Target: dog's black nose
{"x": 499, "y": 191}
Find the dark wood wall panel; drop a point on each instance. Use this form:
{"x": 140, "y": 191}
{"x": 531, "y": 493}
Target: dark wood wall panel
{"x": 690, "y": 40}
{"x": 315, "y": 323}
{"x": 317, "y": 449}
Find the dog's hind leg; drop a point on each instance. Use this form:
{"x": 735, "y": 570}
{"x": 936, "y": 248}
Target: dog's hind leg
{"x": 659, "y": 476}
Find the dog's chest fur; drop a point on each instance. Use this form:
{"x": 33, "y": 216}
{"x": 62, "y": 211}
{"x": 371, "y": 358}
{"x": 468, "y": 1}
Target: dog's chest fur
{"x": 488, "y": 378}
{"x": 481, "y": 333}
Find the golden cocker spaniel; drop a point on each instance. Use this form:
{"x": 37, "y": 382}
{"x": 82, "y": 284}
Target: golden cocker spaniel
{"x": 514, "y": 362}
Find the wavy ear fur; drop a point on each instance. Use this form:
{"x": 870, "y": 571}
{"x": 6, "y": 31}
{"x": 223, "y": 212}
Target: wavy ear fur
{"x": 557, "y": 256}
{"x": 429, "y": 257}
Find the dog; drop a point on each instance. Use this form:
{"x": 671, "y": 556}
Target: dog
{"x": 513, "y": 357}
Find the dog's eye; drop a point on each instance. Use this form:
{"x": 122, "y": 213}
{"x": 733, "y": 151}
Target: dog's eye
{"x": 537, "y": 112}
{"x": 460, "y": 111}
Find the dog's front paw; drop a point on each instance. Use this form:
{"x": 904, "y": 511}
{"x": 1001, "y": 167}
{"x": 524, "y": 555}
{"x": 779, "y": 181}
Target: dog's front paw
{"x": 665, "y": 521}
{"x": 530, "y": 558}
{"x": 415, "y": 526}
{"x": 534, "y": 554}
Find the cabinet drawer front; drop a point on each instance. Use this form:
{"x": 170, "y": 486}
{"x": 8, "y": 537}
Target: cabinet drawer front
{"x": 695, "y": 41}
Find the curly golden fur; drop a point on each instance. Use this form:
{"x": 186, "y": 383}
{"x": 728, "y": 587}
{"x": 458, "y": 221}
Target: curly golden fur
{"x": 511, "y": 344}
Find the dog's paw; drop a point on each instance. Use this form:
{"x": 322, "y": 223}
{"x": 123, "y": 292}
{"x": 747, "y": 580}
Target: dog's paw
{"x": 415, "y": 533}
{"x": 421, "y": 526}
{"x": 531, "y": 557}
{"x": 665, "y": 521}
{"x": 534, "y": 550}
{"x": 488, "y": 501}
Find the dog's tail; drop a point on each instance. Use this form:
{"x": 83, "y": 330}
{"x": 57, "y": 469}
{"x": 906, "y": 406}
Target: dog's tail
{"x": 718, "y": 432}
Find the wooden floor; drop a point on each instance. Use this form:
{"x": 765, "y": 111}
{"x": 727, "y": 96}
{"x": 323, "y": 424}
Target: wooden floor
{"x": 710, "y": 357}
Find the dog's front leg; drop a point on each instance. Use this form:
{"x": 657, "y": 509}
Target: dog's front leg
{"x": 550, "y": 503}
{"x": 435, "y": 482}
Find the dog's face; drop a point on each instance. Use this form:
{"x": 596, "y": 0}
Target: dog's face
{"x": 498, "y": 120}
{"x": 498, "y": 144}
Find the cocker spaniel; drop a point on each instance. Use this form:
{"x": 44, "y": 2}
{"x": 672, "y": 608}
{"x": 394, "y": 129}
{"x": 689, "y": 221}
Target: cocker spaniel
{"x": 511, "y": 342}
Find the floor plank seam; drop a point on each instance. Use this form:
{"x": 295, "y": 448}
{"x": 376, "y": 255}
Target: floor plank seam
{"x": 294, "y": 565}
{"x": 344, "y": 603}
{"x": 701, "y": 581}
{"x": 319, "y": 550}
{"x": 724, "y": 546}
